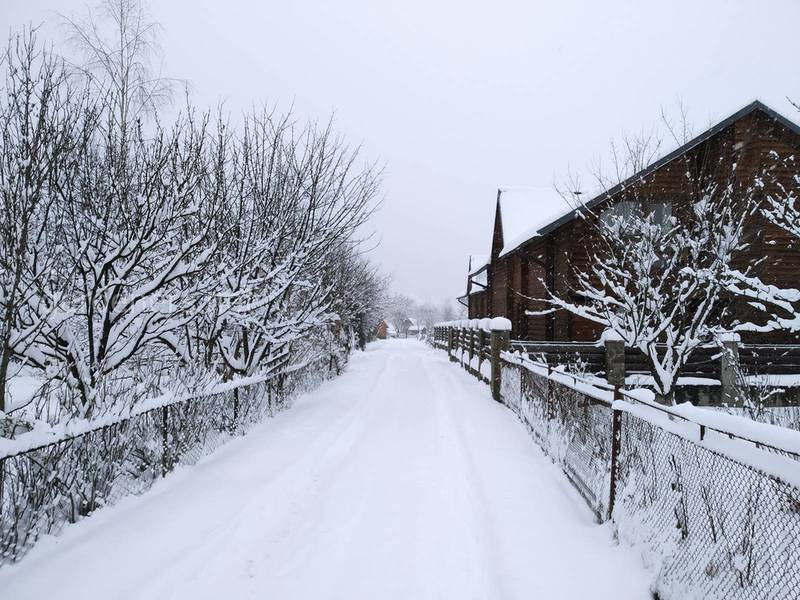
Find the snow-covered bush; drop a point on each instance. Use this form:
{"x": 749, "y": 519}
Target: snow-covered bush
{"x": 141, "y": 257}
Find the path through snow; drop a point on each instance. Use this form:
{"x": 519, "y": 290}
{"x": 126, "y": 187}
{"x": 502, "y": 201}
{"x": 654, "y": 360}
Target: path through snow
{"x": 400, "y": 479}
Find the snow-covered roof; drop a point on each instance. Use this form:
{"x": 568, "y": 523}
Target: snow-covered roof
{"x": 476, "y": 263}
{"x": 528, "y": 212}
{"x": 525, "y": 210}
{"x": 481, "y": 279}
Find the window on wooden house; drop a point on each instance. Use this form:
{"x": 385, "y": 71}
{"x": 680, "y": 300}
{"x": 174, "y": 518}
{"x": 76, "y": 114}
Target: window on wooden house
{"x": 662, "y": 214}
{"x": 619, "y": 214}
{"x": 623, "y": 212}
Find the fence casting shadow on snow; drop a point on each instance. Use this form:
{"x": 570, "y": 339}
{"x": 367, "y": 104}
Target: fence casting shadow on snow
{"x": 711, "y": 500}
{"x": 46, "y": 486}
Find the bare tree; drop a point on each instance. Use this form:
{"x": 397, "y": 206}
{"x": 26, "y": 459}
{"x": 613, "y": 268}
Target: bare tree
{"x": 118, "y": 41}
{"x": 39, "y": 114}
{"x": 659, "y": 279}
{"x": 189, "y": 251}
{"x": 779, "y": 206}
{"x": 130, "y": 248}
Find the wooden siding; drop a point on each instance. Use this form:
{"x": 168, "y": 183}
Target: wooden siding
{"x": 773, "y": 254}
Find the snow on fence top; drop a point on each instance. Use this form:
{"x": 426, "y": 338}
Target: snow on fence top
{"x": 494, "y": 324}
{"x": 762, "y": 446}
{"x": 44, "y": 434}
{"x": 610, "y": 335}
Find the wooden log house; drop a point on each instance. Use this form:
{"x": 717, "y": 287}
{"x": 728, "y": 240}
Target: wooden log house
{"x": 547, "y": 242}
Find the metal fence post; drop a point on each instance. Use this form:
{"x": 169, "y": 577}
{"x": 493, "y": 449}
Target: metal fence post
{"x": 235, "y": 408}
{"x": 616, "y": 439}
{"x": 164, "y": 441}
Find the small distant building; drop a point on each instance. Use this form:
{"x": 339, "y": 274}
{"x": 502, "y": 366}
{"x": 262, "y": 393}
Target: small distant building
{"x": 416, "y": 330}
{"x": 406, "y": 325}
{"x": 386, "y": 330}
{"x": 411, "y": 327}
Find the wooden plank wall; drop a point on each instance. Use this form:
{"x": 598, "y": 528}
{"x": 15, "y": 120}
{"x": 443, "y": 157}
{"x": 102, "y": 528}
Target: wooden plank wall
{"x": 775, "y": 253}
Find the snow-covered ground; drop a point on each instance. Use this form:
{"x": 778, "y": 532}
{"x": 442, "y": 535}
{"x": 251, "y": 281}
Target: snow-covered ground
{"x": 399, "y": 479}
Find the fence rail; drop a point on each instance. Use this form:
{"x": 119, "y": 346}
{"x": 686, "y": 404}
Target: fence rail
{"x": 714, "y": 508}
{"x": 705, "y": 361}
{"x": 46, "y": 487}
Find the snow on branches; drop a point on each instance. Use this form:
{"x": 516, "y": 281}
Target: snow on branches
{"x": 135, "y": 252}
{"x": 658, "y": 270}
{"x": 778, "y": 207}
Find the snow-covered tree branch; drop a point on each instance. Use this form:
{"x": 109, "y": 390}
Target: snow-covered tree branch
{"x": 193, "y": 249}
{"x": 659, "y": 268}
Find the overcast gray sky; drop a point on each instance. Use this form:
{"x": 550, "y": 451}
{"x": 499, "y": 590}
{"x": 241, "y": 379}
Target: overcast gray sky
{"x": 457, "y": 98}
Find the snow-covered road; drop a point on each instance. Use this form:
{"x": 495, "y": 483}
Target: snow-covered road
{"x": 399, "y": 479}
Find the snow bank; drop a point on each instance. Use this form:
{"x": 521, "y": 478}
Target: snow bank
{"x": 378, "y": 485}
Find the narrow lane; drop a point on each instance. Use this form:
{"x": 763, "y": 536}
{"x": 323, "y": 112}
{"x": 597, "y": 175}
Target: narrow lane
{"x": 399, "y": 479}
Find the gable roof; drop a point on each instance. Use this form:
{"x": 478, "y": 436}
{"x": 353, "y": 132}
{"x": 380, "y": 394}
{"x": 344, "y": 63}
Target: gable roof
{"x": 755, "y": 106}
{"x": 524, "y": 210}
{"x": 542, "y": 223}
{"x": 477, "y": 262}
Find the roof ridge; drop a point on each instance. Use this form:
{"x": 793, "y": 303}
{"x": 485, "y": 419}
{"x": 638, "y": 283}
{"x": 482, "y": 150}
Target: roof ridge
{"x": 755, "y": 105}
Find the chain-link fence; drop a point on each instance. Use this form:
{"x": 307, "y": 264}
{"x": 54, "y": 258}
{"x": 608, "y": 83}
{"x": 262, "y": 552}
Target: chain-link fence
{"x": 715, "y": 513}
{"x": 712, "y": 524}
{"x": 716, "y": 527}
{"x": 44, "y": 488}
{"x": 574, "y": 428}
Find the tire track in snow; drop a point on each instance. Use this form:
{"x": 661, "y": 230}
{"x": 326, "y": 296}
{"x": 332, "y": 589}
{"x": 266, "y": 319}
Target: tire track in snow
{"x": 400, "y": 479}
{"x": 299, "y": 484}
{"x": 459, "y": 460}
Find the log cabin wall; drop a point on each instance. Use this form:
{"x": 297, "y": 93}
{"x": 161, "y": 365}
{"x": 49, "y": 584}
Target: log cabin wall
{"x": 772, "y": 253}
{"x": 477, "y": 305}
{"x": 555, "y": 257}
{"x": 499, "y": 287}
{"x": 535, "y": 257}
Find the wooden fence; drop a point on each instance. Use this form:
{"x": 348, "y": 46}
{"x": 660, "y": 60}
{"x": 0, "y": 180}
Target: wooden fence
{"x": 714, "y": 373}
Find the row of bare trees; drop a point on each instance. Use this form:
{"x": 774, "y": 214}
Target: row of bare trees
{"x": 137, "y": 253}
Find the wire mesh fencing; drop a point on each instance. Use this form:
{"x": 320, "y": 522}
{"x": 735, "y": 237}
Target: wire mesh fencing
{"x": 710, "y": 524}
{"x": 45, "y": 488}
{"x": 713, "y": 526}
{"x": 713, "y": 513}
{"x": 573, "y": 428}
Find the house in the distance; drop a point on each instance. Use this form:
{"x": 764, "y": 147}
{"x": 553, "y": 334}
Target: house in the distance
{"x": 411, "y": 327}
{"x": 386, "y": 330}
{"x": 539, "y": 242}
